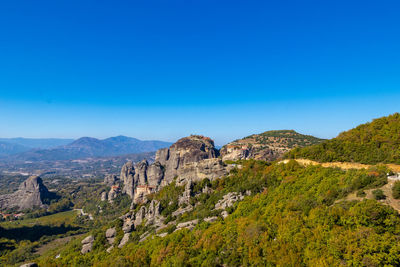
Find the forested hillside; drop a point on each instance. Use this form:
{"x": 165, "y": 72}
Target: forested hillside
{"x": 290, "y": 218}
{"x": 370, "y": 143}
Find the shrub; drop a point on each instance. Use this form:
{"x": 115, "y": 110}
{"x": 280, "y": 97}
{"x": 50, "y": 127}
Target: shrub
{"x": 396, "y": 190}
{"x": 378, "y": 194}
{"x": 361, "y": 193}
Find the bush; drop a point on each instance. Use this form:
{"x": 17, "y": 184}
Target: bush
{"x": 396, "y": 190}
{"x": 361, "y": 193}
{"x": 378, "y": 194}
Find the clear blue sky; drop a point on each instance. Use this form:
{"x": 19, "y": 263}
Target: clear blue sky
{"x": 167, "y": 69}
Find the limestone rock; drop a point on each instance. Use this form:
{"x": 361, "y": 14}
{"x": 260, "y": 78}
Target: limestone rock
{"x": 124, "y": 240}
{"x": 103, "y": 196}
{"x": 228, "y": 200}
{"x": 86, "y": 248}
{"x": 190, "y": 158}
{"x": 268, "y": 146}
{"x": 113, "y": 193}
{"x": 128, "y": 225}
{"x": 87, "y": 244}
{"x": 88, "y": 239}
{"x": 127, "y": 176}
{"x": 211, "y": 219}
{"x": 155, "y": 174}
{"x": 224, "y": 214}
{"x": 110, "y": 235}
{"x": 31, "y": 193}
{"x": 185, "y": 198}
{"x": 141, "y": 172}
{"x": 110, "y": 179}
{"x": 189, "y": 225}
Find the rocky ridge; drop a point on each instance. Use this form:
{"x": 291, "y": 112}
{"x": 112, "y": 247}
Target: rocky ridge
{"x": 269, "y": 145}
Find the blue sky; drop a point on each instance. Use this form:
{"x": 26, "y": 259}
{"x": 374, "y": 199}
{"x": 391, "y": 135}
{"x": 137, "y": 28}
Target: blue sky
{"x": 167, "y": 69}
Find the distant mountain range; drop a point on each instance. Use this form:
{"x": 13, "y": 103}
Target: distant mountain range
{"x": 67, "y": 149}
{"x": 10, "y": 146}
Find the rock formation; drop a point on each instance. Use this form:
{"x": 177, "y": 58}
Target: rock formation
{"x": 110, "y": 235}
{"x": 127, "y": 174}
{"x": 190, "y": 158}
{"x": 266, "y": 146}
{"x": 31, "y": 193}
{"x": 87, "y": 244}
{"x": 111, "y": 179}
{"x": 228, "y": 200}
{"x": 150, "y": 215}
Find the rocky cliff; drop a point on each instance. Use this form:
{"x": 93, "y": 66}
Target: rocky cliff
{"x": 190, "y": 158}
{"x": 269, "y": 145}
{"x": 31, "y": 193}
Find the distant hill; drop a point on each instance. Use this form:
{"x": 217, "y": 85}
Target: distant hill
{"x": 269, "y": 145}
{"x": 370, "y": 143}
{"x": 10, "y": 146}
{"x": 91, "y": 147}
{"x": 37, "y": 142}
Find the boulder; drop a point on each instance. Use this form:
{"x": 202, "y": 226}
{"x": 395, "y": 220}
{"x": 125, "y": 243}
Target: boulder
{"x": 110, "y": 235}
{"x": 124, "y": 240}
{"x": 211, "y": 219}
{"x": 88, "y": 239}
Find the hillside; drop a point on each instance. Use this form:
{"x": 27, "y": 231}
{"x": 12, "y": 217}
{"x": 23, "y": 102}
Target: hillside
{"x": 269, "y": 145}
{"x": 261, "y": 214}
{"x": 370, "y": 143}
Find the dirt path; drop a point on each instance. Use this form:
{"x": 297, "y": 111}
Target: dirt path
{"x": 387, "y": 190}
{"x": 342, "y": 165}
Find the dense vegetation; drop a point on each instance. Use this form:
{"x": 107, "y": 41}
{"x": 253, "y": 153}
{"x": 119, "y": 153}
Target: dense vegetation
{"x": 291, "y": 218}
{"x": 370, "y": 143}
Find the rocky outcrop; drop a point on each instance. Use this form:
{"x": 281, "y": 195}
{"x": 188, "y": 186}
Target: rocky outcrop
{"x": 87, "y": 244}
{"x": 112, "y": 194}
{"x": 268, "y": 146}
{"x": 228, "y": 200}
{"x": 31, "y": 193}
{"x": 150, "y": 215}
{"x": 110, "y": 235}
{"x": 127, "y": 177}
{"x": 189, "y": 225}
{"x": 111, "y": 179}
{"x": 190, "y": 158}
{"x": 185, "y": 198}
